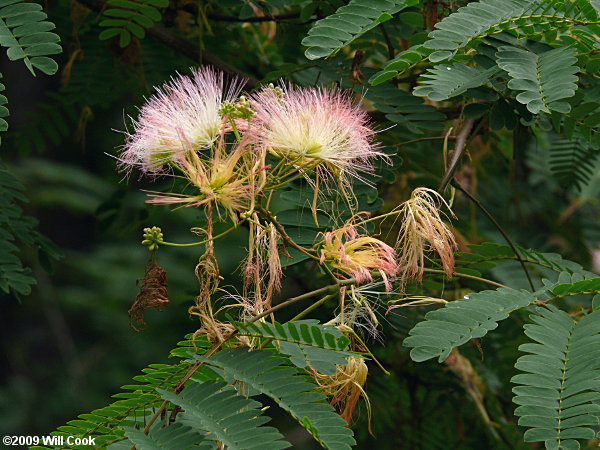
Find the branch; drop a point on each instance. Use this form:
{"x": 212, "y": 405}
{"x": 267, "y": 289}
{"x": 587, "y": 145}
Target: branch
{"x": 181, "y": 45}
{"x": 270, "y": 18}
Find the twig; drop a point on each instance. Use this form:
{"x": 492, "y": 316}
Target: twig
{"x": 281, "y": 230}
{"x": 388, "y": 41}
{"x": 472, "y": 277}
{"x": 432, "y": 138}
{"x": 459, "y": 147}
{"x": 458, "y": 186}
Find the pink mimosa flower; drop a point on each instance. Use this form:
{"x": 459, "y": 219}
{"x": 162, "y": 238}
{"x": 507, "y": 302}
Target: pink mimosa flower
{"x": 184, "y": 115}
{"x": 357, "y": 255}
{"x": 310, "y": 127}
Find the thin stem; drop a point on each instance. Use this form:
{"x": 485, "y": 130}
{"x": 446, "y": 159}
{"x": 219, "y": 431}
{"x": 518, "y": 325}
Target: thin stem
{"x": 472, "y": 277}
{"x": 281, "y": 230}
{"x": 235, "y": 130}
{"x": 432, "y": 138}
{"x": 312, "y": 307}
{"x": 357, "y": 337}
{"x": 224, "y": 233}
{"x": 458, "y": 186}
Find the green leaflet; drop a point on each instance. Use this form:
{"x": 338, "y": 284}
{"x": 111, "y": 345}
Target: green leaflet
{"x": 124, "y": 18}
{"x": 405, "y": 109}
{"x": 24, "y": 32}
{"x": 445, "y": 81}
{"x": 15, "y": 227}
{"x": 227, "y": 416}
{"x": 401, "y": 63}
{"x": 545, "y": 80}
{"x": 264, "y": 372}
{"x": 307, "y": 342}
{"x": 557, "y": 389}
{"x": 134, "y": 407}
{"x": 462, "y": 320}
{"x": 181, "y": 437}
{"x": 572, "y": 162}
{"x": 349, "y": 22}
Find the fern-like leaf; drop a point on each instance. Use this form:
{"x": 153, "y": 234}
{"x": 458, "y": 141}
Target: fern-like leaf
{"x": 445, "y": 81}
{"x": 132, "y": 408}
{"x": 307, "y": 342}
{"x": 559, "y": 388}
{"x": 462, "y": 320}
{"x": 572, "y": 162}
{"x": 15, "y": 227}
{"x": 479, "y": 19}
{"x": 266, "y": 374}
{"x": 130, "y": 17}
{"x": 545, "y": 79}
{"x": 177, "y": 435}
{"x": 405, "y": 109}
{"x": 227, "y": 416}
{"x": 25, "y": 32}
{"x": 400, "y": 64}
{"x": 348, "y": 23}
{"x": 3, "y": 109}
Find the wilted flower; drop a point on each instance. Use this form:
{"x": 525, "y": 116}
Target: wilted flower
{"x": 309, "y": 127}
{"x": 357, "y": 255}
{"x": 262, "y": 267}
{"x": 184, "y": 115}
{"x": 345, "y": 387}
{"x": 228, "y": 179}
{"x": 423, "y": 231}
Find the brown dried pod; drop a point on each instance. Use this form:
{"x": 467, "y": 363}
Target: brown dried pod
{"x": 153, "y": 293}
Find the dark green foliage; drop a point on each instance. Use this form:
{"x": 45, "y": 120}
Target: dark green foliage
{"x": 16, "y": 228}
{"x": 134, "y": 407}
{"x": 402, "y": 62}
{"x": 306, "y": 342}
{"x": 545, "y": 80}
{"x": 557, "y": 389}
{"x": 348, "y": 23}
{"x": 227, "y": 416}
{"x": 572, "y": 161}
{"x": 484, "y": 256}
{"x": 130, "y": 17}
{"x": 263, "y": 371}
{"x": 176, "y": 436}
{"x": 25, "y": 32}
{"x": 479, "y": 19}
{"x": 404, "y": 109}
{"x": 525, "y": 71}
{"x": 446, "y": 81}
{"x": 462, "y": 320}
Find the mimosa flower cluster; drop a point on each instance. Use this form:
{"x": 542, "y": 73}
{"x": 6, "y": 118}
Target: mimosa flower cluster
{"x": 233, "y": 152}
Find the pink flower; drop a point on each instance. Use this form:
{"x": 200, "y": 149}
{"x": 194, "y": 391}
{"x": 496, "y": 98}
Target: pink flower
{"x": 357, "y": 255}
{"x": 310, "y": 127}
{"x": 184, "y": 115}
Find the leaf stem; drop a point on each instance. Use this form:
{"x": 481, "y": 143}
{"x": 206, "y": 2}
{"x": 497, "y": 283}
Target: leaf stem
{"x": 472, "y": 277}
